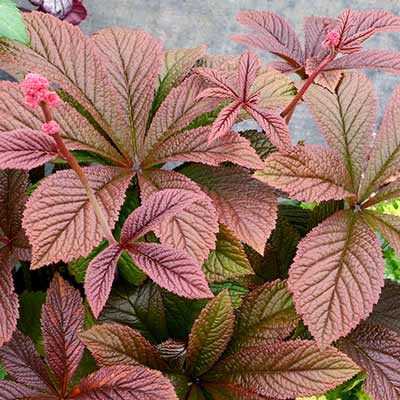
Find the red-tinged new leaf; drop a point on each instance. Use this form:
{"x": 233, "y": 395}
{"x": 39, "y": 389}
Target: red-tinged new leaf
{"x": 210, "y": 334}
{"x": 337, "y": 276}
{"x": 180, "y": 108}
{"x": 244, "y": 204}
{"x": 59, "y": 219}
{"x": 193, "y": 230}
{"x": 273, "y": 34}
{"x": 15, "y": 391}
{"x": 26, "y": 149}
{"x": 62, "y": 318}
{"x": 71, "y": 60}
{"x": 158, "y": 207}
{"x": 76, "y": 130}
{"x": 387, "y": 225}
{"x": 99, "y": 278}
{"x": 249, "y": 64}
{"x": 346, "y": 118}
{"x": 192, "y": 146}
{"x": 272, "y": 124}
{"x": 124, "y": 382}
{"x": 225, "y": 120}
{"x": 265, "y": 316}
{"x": 21, "y": 361}
{"x": 307, "y": 173}
{"x": 288, "y": 369}
{"x": 171, "y": 269}
{"x": 315, "y": 30}
{"x": 8, "y": 299}
{"x": 224, "y": 80}
{"x": 384, "y": 158}
{"x": 376, "y": 349}
{"x": 113, "y": 344}
{"x": 379, "y": 60}
{"x": 133, "y": 60}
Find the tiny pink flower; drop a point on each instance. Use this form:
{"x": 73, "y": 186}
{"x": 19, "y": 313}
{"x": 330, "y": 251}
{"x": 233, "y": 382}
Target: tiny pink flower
{"x": 35, "y": 88}
{"x": 332, "y": 39}
{"x": 52, "y": 99}
{"x": 51, "y": 127}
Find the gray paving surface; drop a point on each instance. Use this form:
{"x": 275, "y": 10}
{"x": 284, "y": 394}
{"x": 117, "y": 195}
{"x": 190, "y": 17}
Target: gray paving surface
{"x": 187, "y": 23}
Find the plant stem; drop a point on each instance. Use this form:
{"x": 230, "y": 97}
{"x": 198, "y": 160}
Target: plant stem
{"x": 82, "y": 177}
{"x": 288, "y": 111}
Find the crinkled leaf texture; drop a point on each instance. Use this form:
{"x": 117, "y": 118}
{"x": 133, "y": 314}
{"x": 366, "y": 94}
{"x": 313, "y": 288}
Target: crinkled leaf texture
{"x": 59, "y": 219}
{"x": 307, "y": 173}
{"x": 210, "y": 334}
{"x": 337, "y": 276}
{"x": 287, "y": 369}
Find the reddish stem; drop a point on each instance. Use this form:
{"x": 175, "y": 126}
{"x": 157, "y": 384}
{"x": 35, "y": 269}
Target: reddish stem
{"x": 288, "y": 111}
{"x": 82, "y": 177}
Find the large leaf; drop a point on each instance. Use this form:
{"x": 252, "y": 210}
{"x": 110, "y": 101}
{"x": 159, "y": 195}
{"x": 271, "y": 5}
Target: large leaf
{"x": 193, "y": 230}
{"x": 11, "y": 23}
{"x": 124, "y": 381}
{"x": 71, "y": 60}
{"x": 337, "y": 276}
{"x": 228, "y": 260}
{"x": 266, "y": 315}
{"x": 288, "y": 369}
{"x": 158, "y": 207}
{"x": 140, "y": 308}
{"x": 133, "y": 60}
{"x": 384, "y": 159}
{"x": 232, "y": 392}
{"x": 307, "y": 173}
{"x": 100, "y": 276}
{"x": 315, "y": 30}
{"x": 171, "y": 269}
{"x": 346, "y": 119}
{"x": 210, "y": 334}
{"x": 14, "y": 391}
{"x": 59, "y": 211}
{"x": 113, "y": 344}
{"x": 76, "y": 131}
{"x": 248, "y": 207}
{"x": 193, "y": 146}
{"x": 63, "y": 316}
{"x": 26, "y": 149}
{"x": 376, "y": 349}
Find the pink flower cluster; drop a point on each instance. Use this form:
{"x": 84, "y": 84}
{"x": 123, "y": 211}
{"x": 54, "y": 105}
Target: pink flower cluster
{"x": 51, "y": 127}
{"x": 332, "y": 39}
{"x": 36, "y": 90}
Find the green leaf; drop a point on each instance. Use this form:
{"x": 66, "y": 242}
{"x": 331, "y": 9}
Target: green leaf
{"x": 210, "y": 334}
{"x": 324, "y": 210}
{"x": 11, "y": 22}
{"x": 140, "y": 308}
{"x": 236, "y": 291}
{"x": 196, "y": 393}
{"x": 259, "y": 142}
{"x": 86, "y": 367}
{"x": 3, "y": 372}
{"x": 181, "y": 385}
{"x": 228, "y": 260}
{"x": 129, "y": 270}
{"x": 267, "y": 315}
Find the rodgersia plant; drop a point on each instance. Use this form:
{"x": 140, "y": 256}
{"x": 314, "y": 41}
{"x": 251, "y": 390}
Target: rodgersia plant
{"x": 184, "y": 265}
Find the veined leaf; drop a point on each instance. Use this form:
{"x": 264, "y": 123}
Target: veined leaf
{"x": 124, "y": 381}
{"x": 225, "y": 120}
{"x": 62, "y": 318}
{"x": 196, "y": 393}
{"x": 346, "y": 119}
{"x": 26, "y": 149}
{"x": 248, "y": 207}
{"x": 228, "y": 260}
{"x": 259, "y": 142}
{"x": 307, "y": 173}
{"x": 14, "y": 391}
{"x": 232, "y": 392}
{"x": 315, "y": 30}
{"x": 171, "y": 269}
{"x": 11, "y": 22}
{"x": 113, "y": 344}
{"x": 193, "y": 230}
{"x": 288, "y": 369}
{"x": 332, "y": 287}
{"x": 133, "y": 61}
{"x": 376, "y": 349}
{"x": 210, "y": 334}
{"x": 59, "y": 210}
{"x": 266, "y": 315}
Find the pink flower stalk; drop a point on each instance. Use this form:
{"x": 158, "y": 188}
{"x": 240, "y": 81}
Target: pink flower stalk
{"x": 51, "y": 127}
{"x": 35, "y": 88}
{"x": 332, "y": 39}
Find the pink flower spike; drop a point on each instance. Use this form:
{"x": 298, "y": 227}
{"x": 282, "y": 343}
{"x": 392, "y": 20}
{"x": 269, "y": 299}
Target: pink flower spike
{"x": 53, "y": 100}
{"x": 35, "y": 88}
{"x": 332, "y": 39}
{"x": 51, "y": 127}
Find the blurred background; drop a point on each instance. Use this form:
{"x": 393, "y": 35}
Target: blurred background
{"x": 189, "y": 23}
